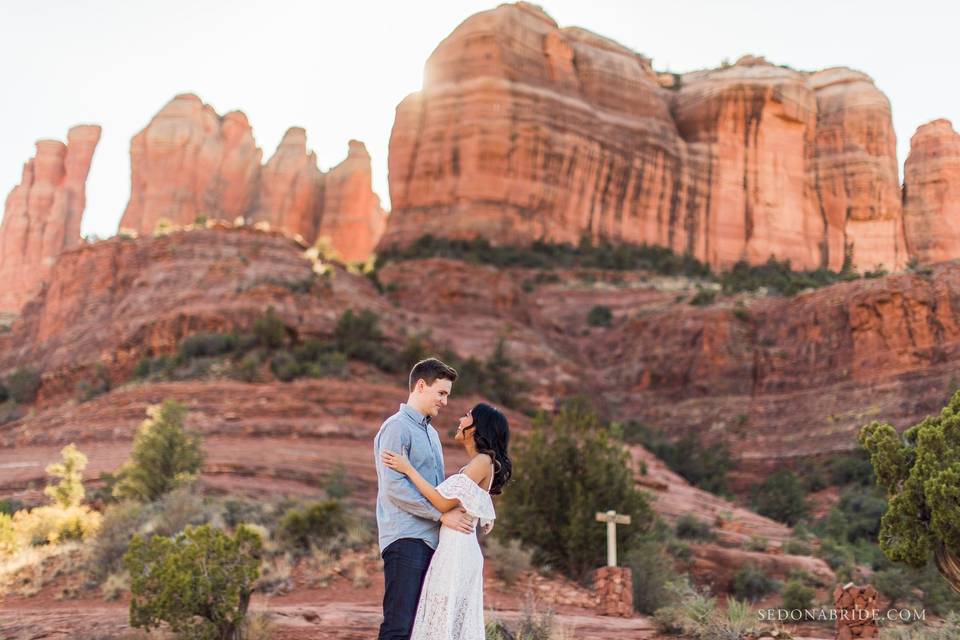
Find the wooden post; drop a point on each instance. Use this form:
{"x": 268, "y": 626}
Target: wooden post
{"x": 612, "y": 518}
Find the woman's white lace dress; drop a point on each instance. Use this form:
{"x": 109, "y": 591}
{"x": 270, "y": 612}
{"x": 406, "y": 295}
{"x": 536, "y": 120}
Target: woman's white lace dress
{"x": 451, "y": 602}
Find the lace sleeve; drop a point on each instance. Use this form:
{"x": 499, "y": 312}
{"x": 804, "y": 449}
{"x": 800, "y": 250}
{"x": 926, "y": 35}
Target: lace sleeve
{"x": 475, "y": 500}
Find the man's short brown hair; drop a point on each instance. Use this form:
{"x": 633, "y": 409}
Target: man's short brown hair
{"x": 431, "y": 370}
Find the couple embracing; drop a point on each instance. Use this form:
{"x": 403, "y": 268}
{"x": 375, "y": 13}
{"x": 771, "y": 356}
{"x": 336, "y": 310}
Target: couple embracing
{"x": 432, "y": 564}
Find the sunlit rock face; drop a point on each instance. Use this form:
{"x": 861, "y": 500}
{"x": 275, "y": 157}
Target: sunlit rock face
{"x": 526, "y": 131}
{"x": 42, "y": 214}
{"x": 189, "y": 163}
{"x": 932, "y": 193}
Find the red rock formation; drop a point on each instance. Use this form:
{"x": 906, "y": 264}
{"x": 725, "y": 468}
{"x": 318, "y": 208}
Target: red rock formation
{"x": 526, "y": 131}
{"x": 43, "y": 213}
{"x": 291, "y": 188}
{"x": 509, "y": 139}
{"x": 189, "y": 162}
{"x": 753, "y": 124}
{"x": 932, "y": 193}
{"x": 855, "y": 170}
{"x": 353, "y": 220}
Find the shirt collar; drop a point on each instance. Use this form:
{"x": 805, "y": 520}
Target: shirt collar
{"x": 414, "y": 415}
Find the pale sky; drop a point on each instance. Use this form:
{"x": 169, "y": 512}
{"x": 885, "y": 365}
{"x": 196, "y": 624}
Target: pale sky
{"x": 340, "y": 68}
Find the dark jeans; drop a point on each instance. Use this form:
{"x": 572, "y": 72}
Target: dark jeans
{"x": 405, "y": 563}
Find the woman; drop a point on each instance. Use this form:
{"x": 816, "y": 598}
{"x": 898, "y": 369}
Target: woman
{"x": 451, "y": 601}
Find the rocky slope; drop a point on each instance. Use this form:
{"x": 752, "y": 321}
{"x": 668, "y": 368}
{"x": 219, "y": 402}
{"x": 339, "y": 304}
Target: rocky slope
{"x": 524, "y": 130}
{"x": 191, "y": 162}
{"x": 42, "y": 214}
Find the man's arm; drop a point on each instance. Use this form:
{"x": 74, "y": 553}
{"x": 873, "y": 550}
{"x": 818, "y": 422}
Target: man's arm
{"x": 399, "y": 489}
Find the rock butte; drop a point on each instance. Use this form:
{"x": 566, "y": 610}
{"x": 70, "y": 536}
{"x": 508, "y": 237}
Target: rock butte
{"x": 42, "y": 214}
{"x": 932, "y": 192}
{"x": 524, "y": 131}
{"x": 191, "y": 162}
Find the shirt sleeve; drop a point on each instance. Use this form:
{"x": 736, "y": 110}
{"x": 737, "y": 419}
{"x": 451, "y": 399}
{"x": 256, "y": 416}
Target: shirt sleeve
{"x": 399, "y": 489}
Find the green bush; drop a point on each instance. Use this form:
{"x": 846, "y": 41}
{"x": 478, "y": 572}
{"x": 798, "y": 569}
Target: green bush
{"x": 9, "y": 506}
{"x": 509, "y": 558}
{"x": 358, "y": 336}
{"x": 752, "y": 583}
{"x": 689, "y": 527}
{"x": 4, "y": 393}
{"x": 164, "y": 455}
{"x": 90, "y": 389}
{"x": 704, "y": 466}
{"x": 284, "y": 366}
{"x": 703, "y": 297}
{"x": 23, "y": 385}
{"x": 312, "y": 525}
{"x": 68, "y": 491}
{"x": 269, "y": 330}
{"x": 778, "y": 277}
{"x": 600, "y": 316}
{"x": 199, "y": 582}
{"x": 797, "y": 548}
{"x": 652, "y": 572}
{"x": 782, "y": 496}
{"x": 797, "y": 595}
{"x": 120, "y": 522}
{"x": 855, "y": 517}
{"x": 207, "y": 344}
{"x": 596, "y": 475}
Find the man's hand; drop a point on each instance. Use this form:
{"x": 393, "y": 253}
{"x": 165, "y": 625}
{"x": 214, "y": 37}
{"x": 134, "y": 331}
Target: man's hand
{"x": 458, "y": 520}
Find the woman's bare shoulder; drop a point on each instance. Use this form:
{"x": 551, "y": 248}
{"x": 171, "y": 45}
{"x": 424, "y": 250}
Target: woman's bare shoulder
{"x": 478, "y": 467}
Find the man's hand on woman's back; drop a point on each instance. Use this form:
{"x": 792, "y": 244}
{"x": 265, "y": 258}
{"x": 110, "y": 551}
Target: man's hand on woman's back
{"x": 458, "y": 520}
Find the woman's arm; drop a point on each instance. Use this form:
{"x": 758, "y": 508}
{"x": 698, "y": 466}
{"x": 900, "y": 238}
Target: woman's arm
{"x": 402, "y": 464}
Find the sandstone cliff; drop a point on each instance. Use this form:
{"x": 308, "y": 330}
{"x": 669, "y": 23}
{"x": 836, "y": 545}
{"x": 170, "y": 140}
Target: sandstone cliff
{"x": 43, "y": 213}
{"x": 932, "y": 192}
{"x": 191, "y": 162}
{"x": 527, "y": 131}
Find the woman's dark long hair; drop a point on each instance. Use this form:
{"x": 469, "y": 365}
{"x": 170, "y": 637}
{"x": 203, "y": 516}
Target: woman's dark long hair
{"x": 491, "y": 435}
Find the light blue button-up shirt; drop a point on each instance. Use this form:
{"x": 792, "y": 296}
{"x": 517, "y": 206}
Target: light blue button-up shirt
{"x": 402, "y": 511}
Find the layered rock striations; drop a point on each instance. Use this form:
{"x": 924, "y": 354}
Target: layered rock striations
{"x": 931, "y": 193}
{"x": 291, "y": 187}
{"x": 190, "y": 162}
{"x": 526, "y": 131}
{"x": 353, "y": 219}
{"x": 43, "y": 213}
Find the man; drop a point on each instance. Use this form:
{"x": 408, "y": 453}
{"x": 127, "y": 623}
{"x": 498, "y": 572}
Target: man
{"x": 408, "y": 525}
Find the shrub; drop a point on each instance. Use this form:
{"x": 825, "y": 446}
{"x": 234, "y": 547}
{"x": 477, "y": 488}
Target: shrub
{"x": 357, "y": 335}
{"x": 797, "y": 595}
{"x": 120, "y": 522}
{"x": 4, "y": 393}
{"x": 164, "y": 455}
{"x": 757, "y": 543}
{"x": 509, "y": 558}
{"x": 90, "y": 389}
{"x": 337, "y": 484}
{"x": 856, "y": 516}
{"x": 782, "y": 497}
{"x": 688, "y": 610}
{"x": 269, "y": 330}
{"x": 201, "y": 345}
{"x": 8, "y": 535}
{"x": 284, "y": 366}
{"x": 797, "y": 547}
{"x": 600, "y": 316}
{"x": 68, "y": 492}
{"x": 596, "y": 475}
{"x": 653, "y": 572}
{"x": 692, "y": 528}
{"x": 199, "y": 582}
{"x": 752, "y": 583}
{"x": 704, "y": 466}
{"x": 919, "y": 473}
{"x": 703, "y": 297}
{"x": 312, "y": 525}
{"x": 53, "y": 525}
{"x": 531, "y": 625}
{"x": 9, "y": 506}
{"x": 23, "y": 385}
